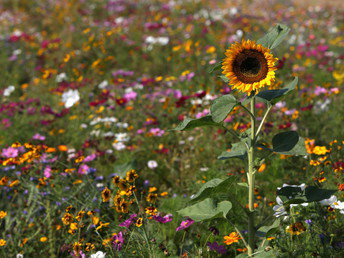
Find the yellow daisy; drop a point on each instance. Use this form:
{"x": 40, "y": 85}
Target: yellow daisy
{"x": 249, "y": 66}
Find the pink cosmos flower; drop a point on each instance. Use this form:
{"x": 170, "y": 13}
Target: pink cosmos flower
{"x": 83, "y": 169}
{"x": 10, "y": 152}
{"x": 185, "y": 224}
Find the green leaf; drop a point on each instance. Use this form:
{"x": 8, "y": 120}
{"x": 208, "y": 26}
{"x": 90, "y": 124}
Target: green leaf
{"x": 206, "y": 209}
{"x": 273, "y": 96}
{"x": 222, "y": 106}
{"x": 212, "y": 189}
{"x": 122, "y": 169}
{"x": 266, "y": 231}
{"x": 207, "y": 188}
{"x": 224, "y": 78}
{"x": 215, "y": 67}
{"x": 315, "y": 194}
{"x": 243, "y": 184}
{"x": 295, "y": 195}
{"x": 274, "y": 36}
{"x": 289, "y": 143}
{"x": 190, "y": 123}
{"x": 238, "y": 151}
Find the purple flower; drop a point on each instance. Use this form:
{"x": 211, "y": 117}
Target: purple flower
{"x": 165, "y": 219}
{"x": 127, "y": 223}
{"x": 185, "y": 224}
{"x": 217, "y": 248}
{"x": 118, "y": 241}
{"x": 308, "y": 221}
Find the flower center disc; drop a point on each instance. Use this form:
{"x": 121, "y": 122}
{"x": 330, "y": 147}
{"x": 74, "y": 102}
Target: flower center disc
{"x": 250, "y": 66}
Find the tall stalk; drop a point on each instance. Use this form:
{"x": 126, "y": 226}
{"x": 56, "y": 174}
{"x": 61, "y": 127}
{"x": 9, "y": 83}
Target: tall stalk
{"x": 251, "y": 182}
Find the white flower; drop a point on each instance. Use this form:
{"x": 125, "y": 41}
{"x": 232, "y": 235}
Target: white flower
{"x": 157, "y": 40}
{"x": 61, "y": 77}
{"x": 118, "y": 146}
{"x": 122, "y": 137}
{"x": 20, "y": 256}
{"x": 330, "y": 201}
{"x": 103, "y": 84}
{"x": 98, "y": 254}
{"x": 9, "y": 90}
{"x": 152, "y": 164}
{"x": 70, "y": 97}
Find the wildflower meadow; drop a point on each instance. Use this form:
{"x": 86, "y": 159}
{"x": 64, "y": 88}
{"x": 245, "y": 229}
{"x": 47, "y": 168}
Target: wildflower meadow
{"x": 171, "y": 128}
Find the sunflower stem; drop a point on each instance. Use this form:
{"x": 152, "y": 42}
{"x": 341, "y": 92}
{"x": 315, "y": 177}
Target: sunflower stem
{"x": 251, "y": 182}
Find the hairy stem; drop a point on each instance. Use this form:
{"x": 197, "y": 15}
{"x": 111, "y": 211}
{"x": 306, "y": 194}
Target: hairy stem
{"x": 251, "y": 182}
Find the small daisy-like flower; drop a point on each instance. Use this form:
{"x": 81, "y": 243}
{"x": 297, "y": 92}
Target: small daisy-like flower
{"x": 106, "y": 194}
{"x": 3, "y": 214}
{"x": 296, "y": 228}
{"x": 231, "y": 238}
{"x": 249, "y": 66}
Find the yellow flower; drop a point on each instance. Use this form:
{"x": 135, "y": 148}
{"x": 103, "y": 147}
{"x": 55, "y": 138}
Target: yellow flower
{"x": 2, "y": 242}
{"x": 139, "y": 222}
{"x": 3, "y": 214}
{"x": 106, "y": 194}
{"x": 249, "y": 66}
{"x": 296, "y": 228}
{"x": 231, "y": 238}
{"x": 320, "y": 150}
{"x": 43, "y": 239}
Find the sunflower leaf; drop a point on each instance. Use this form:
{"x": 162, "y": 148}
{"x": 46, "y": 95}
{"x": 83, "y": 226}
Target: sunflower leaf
{"x": 206, "y": 209}
{"x": 238, "y": 151}
{"x": 274, "y": 36}
{"x": 215, "y": 67}
{"x": 189, "y": 123}
{"x": 224, "y": 78}
{"x": 273, "y": 96}
{"x": 222, "y": 106}
{"x": 289, "y": 143}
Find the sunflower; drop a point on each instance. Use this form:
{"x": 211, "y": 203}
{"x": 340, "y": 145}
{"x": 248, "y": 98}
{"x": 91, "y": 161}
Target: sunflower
{"x": 249, "y": 66}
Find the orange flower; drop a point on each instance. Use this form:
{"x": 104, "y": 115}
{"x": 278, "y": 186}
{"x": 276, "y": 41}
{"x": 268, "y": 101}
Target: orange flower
{"x": 231, "y": 238}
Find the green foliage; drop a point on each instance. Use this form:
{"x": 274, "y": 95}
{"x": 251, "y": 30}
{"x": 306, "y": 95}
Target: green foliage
{"x": 289, "y": 143}
{"x": 238, "y": 150}
{"x": 206, "y": 209}
{"x": 274, "y": 36}
{"x": 273, "y": 96}
{"x": 222, "y": 106}
{"x": 291, "y": 194}
{"x": 213, "y": 188}
{"x": 189, "y": 123}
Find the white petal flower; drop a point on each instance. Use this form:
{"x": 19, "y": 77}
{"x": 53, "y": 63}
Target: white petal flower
{"x": 70, "y": 97}
{"x": 98, "y": 254}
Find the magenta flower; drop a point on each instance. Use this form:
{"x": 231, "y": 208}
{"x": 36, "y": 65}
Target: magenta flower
{"x": 165, "y": 219}
{"x": 185, "y": 224}
{"x": 157, "y": 131}
{"x": 10, "y": 152}
{"x": 39, "y": 137}
{"x": 127, "y": 223}
{"x": 47, "y": 172}
{"x": 83, "y": 169}
{"x": 118, "y": 241}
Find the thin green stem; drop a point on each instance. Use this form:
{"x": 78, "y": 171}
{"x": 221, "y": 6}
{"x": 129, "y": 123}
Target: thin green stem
{"x": 263, "y": 120}
{"x": 144, "y": 228}
{"x": 251, "y": 182}
{"x": 248, "y": 111}
{"x": 238, "y": 231}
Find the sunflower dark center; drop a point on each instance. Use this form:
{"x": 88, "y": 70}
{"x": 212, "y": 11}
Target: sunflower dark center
{"x": 250, "y": 66}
